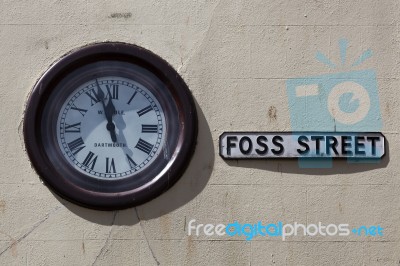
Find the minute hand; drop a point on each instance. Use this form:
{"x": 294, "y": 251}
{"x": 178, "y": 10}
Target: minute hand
{"x": 109, "y": 111}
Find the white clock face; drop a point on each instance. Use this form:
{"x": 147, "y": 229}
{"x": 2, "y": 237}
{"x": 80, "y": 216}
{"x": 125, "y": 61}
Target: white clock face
{"x": 111, "y": 127}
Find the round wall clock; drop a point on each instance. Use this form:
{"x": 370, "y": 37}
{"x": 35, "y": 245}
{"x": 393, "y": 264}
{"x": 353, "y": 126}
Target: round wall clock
{"x": 110, "y": 126}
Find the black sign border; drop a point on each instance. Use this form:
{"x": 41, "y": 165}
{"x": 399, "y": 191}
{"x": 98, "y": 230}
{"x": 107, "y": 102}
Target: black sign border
{"x": 298, "y": 132}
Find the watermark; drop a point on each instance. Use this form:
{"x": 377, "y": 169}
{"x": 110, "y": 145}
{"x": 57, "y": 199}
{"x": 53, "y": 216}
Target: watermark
{"x": 346, "y": 101}
{"x": 250, "y": 231}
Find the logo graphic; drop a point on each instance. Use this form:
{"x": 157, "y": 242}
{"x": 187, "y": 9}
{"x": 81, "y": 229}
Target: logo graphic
{"x": 248, "y": 231}
{"x": 344, "y": 101}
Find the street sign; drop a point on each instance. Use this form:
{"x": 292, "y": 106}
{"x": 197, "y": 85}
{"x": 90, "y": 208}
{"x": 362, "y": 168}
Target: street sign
{"x": 258, "y": 145}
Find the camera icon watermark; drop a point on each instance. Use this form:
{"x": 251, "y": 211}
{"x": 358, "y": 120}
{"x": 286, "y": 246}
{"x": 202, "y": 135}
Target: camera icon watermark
{"x": 342, "y": 102}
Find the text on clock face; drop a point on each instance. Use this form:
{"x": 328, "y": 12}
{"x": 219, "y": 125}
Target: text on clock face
{"x": 116, "y": 112}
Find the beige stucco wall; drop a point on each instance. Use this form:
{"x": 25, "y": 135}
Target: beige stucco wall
{"x": 235, "y": 56}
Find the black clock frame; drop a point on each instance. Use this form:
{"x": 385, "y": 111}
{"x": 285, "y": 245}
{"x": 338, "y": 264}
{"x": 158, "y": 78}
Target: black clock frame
{"x": 75, "y": 186}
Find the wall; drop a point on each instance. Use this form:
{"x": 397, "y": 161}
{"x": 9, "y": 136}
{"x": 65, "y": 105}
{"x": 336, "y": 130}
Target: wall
{"x": 235, "y": 57}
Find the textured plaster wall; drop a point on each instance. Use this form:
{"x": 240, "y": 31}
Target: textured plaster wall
{"x": 235, "y": 56}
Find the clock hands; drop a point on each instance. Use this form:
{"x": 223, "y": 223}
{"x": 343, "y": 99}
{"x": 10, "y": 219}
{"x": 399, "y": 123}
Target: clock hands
{"x": 109, "y": 111}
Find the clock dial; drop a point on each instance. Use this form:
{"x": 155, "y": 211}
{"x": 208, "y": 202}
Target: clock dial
{"x": 110, "y": 126}
{"x": 138, "y": 125}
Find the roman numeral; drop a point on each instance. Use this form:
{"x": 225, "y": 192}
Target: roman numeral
{"x": 94, "y": 97}
{"x": 114, "y": 89}
{"x": 82, "y": 111}
{"x": 133, "y": 96}
{"x": 149, "y": 128}
{"x": 74, "y": 128}
{"x": 89, "y": 160}
{"x": 110, "y": 166}
{"x": 145, "y": 110}
{"x": 76, "y": 146}
{"x": 131, "y": 162}
{"x": 144, "y": 146}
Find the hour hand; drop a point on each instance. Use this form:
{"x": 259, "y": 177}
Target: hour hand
{"x": 111, "y": 128}
{"x": 109, "y": 111}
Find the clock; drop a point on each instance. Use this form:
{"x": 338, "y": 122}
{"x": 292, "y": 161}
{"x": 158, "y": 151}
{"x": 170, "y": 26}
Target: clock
{"x": 110, "y": 126}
